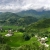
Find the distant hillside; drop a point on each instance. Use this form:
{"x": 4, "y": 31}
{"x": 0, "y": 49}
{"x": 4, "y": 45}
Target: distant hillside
{"x": 28, "y": 13}
{"x": 7, "y": 18}
{"x": 7, "y": 15}
{"x": 38, "y": 26}
{"x": 27, "y": 20}
{"x": 12, "y": 18}
{"x": 34, "y": 13}
{"x": 23, "y": 18}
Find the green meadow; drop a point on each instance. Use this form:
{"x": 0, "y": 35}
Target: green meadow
{"x": 17, "y": 39}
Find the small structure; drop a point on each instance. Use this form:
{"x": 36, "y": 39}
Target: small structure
{"x": 9, "y": 33}
{"x": 45, "y": 37}
{"x": 46, "y": 45}
{"x": 42, "y": 40}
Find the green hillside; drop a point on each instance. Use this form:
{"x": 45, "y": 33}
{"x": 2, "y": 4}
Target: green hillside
{"x": 27, "y": 40}
{"x": 40, "y": 27}
{"x": 7, "y": 18}
{"x": 27, "y": 20}
{"x": 23, "y": 30}
{"x": 13, "y": 19}
{"x": 8, "y": 15}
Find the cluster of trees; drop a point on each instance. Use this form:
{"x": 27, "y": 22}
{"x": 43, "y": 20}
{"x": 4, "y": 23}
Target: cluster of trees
{"x": 26, "y": 37}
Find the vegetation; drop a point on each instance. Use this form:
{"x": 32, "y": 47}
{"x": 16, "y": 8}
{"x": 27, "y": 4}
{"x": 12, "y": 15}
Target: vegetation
{"x": 13, "y": 19}
{"x": 26, "y": 32}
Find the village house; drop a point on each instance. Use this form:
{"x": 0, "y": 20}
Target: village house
{"x": 9, "y": 33}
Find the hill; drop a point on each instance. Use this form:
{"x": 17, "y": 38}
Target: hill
{"x": 9, "y": 18}
{"x": 27, "y": 20}
{"x": 39, "y": 27}
{"x": 34, "y": 13}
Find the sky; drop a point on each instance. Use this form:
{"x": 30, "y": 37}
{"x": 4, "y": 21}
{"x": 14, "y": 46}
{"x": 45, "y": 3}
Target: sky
{"x": 20, "y": 5}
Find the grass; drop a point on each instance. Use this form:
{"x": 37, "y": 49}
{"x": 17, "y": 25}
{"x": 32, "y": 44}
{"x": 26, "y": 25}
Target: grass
{"x": 11, "y": 27}
{"x": 48, "y": 41}
{"x": 17, "y": 39}
{"x": 31, "y": 41}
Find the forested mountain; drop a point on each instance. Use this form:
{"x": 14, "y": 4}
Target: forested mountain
{"x": 35, "y": 13}
{"x": 7, "y": 18}
{"x": 12, "y": 18}
{"x": 7, "y": 15}
{"x": 42, "y": 23}
{"x": 24, "y": 17}
{"x": 27, "y": 20}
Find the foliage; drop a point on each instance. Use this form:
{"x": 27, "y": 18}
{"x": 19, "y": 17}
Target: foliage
{"x": 4, "y": 47}
{"x": 12, "y": 18}
{"x": 26, "y": 37}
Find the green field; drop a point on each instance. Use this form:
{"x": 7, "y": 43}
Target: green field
{"x": 17, "y": 39}
{"x": 11, "y": 27}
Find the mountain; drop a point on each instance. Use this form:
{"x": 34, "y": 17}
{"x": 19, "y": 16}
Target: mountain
{"x": 24, "y": 17}
{"x": 27, "y": 20}
{"x": 27, "y": 13}
{"x": 9, "y": 18}
{"x": 35, "y": 13}
{"x": 7, "y": 15}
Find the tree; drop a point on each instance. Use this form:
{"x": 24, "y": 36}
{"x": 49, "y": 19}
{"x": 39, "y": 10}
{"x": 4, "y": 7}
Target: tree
{"x": 26, "y": 37}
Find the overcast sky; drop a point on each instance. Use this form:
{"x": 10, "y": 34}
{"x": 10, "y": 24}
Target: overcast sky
{"x": 19, "y": 5}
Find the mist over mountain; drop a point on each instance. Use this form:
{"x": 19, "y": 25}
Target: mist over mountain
{"x": 20, "y": 5}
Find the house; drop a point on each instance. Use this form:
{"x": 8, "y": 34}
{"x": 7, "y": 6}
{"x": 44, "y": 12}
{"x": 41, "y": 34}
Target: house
{"x": 42, "y": 40}
{"x": 8, "y": 35}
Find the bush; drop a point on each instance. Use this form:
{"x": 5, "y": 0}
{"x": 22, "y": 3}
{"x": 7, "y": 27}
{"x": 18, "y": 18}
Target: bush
{"x": 26, "y": 37}
{"x": 21, "y": 30}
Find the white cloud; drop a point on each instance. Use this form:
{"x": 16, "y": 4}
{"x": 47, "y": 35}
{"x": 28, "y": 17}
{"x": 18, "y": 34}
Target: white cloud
{"x": 19, "y": 5}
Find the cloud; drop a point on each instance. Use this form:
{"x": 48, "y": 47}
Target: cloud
{"x": 19, "y": 5}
